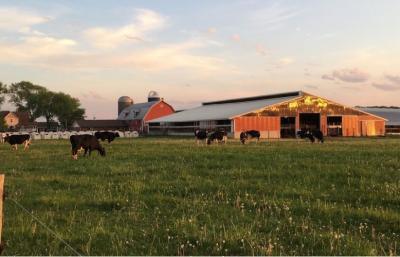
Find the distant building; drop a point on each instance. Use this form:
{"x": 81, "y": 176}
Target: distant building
{"x": 15, "y": 120}
{"x": 137, "y": 115}
{"x": 275, "y": 116}
{"x": 131, "y": 116}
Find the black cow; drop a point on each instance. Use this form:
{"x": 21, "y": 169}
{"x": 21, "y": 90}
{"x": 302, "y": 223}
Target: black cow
{"x": 217, "y": 136}
{"x": 109, "y": 136}
{"x": 311, "y": 135}
{"x": 249, "y": 135}
{"x": 87, "y": 142}
{"x": 15, "y": 140}
{"x": 200, "y": 135}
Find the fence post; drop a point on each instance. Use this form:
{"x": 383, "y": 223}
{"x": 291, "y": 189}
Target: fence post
{"x": 1, "y": 210}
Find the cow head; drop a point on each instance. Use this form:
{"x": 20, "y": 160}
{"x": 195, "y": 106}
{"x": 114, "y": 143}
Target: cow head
{"x": 243, "y": 137}
{"x": 116, "y": 134}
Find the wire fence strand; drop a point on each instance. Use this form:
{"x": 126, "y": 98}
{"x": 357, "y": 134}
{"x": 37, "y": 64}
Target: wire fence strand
{"x": 46, "y": 227}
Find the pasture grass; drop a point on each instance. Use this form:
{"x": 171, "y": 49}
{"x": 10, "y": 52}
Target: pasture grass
{"x": 167, "y": 196}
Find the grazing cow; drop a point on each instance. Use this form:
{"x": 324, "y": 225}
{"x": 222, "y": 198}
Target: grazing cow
{"x": 87, "y": 142}
{"x": 249, "y": 135}
{"x": 15, "y": 140}
{"x": 200, "y": 135}
{"x": 109, "y": 136}
{"x": 217, "y": 136}
{"x": 311, "y": 135}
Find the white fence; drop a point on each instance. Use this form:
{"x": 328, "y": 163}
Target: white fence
{"x": 66, "y": 134}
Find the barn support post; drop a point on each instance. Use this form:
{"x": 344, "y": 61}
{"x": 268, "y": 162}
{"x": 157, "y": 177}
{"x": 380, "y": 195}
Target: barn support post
{"x": 1, "y": 210}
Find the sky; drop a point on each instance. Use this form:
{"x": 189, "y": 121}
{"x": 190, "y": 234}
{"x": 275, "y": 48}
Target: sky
{"x": 196, "y": 51}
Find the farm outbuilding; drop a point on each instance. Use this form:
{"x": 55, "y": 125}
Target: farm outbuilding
{"x": 275, "y": 116}
{"x": 136, "y": 115}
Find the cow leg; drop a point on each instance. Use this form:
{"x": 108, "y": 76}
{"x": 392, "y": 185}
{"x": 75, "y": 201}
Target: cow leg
{"x": 86, "y": 150}
{"x": 16, "y": 147}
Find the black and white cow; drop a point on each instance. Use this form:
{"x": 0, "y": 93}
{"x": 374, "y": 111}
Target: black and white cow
{"x": 249, "y": 135}
{"x": 109, "y": 136}
{"x": 89, "y": 143}
{"x": 15, "y": 140}
{"x": 311, "y": 135}
{"x": 200, "y": 135}
{"x": 217, "y": 136}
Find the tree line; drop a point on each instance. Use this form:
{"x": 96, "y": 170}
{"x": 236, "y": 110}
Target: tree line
{"x": 38, "y": 101}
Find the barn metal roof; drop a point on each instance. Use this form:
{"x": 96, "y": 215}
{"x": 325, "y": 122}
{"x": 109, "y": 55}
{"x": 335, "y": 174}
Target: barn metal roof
{"x": 391, "y": 115}
{"x": 225, "y": 110}
{"x": 136, "y": 111}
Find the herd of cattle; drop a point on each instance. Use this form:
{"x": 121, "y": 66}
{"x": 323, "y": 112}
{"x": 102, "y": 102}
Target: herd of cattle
{"x": 220, "y": 136}
{"x": 89, "y": 143}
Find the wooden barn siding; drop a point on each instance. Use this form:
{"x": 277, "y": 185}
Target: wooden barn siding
{"x": 269, "y": 127}
{"x": 364, "y": 125}
{"x": 350, "y": 126}
{"x": 324, "y": 124}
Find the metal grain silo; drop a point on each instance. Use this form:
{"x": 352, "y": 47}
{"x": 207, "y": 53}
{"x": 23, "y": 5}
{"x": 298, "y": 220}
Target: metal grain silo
{"x": 124, "y": 102}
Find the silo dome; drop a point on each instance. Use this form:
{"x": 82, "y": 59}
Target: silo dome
{"x": 123, "y": 103}
{"x": 153, "y": 96}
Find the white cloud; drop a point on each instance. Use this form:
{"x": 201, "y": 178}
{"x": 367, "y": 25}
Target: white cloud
{"x": 386, "y": 86}
{"x": 273, "y": 16}
{"x": 261, "y": 50}
{"x": 145, "y": 22}
{"x": 390, "y": 83}
{"x": 211, "y": 31}
{"x": 18, "y": 20}
{"x": 393, "y": 78}
{"x": 347, "y": 75}
{"x": 236, "y": 37}
{"x": 285, "y": 61}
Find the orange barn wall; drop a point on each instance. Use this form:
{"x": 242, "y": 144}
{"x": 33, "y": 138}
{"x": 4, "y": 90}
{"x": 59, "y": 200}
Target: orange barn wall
{"x": 324, "y": 124}
{"x": 380, "y": 127}
{"x": 350, "y": 126}
{"x": 158, "y": 110}
{"x": 269, "y": 127}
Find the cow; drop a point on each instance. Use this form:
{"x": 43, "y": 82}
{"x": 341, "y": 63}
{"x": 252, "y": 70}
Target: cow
{"x": 109, "y": 136}
{"x": 15, "y": 140}
{"x": 249, "y": 135}
{"x": 311, "y": 135}
{"x": 318, "y": 135}
{"x": 89, "y": 143}
{"x": 217, "y": 136}
{"x": 200, "y": 135}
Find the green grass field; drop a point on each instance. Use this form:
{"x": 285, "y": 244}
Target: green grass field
{"x": 159, "y": 196}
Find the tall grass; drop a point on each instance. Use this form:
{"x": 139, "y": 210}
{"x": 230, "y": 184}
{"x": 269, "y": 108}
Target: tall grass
{"x": 160, "y": 196}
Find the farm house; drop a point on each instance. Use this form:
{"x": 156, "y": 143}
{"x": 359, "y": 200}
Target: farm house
{"x": 275, "y": 116}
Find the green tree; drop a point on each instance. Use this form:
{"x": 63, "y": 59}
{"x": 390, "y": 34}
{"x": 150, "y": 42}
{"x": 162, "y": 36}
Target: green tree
{"x": 3, "y": 125}
{"x": 40, "y": 102}
{"x": 3, "y": 91}
{"x": 27, "y": 97}
{"x": 67, "y": 109}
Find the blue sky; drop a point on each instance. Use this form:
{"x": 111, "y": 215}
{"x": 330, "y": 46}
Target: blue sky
{"x": 193, "y": 51}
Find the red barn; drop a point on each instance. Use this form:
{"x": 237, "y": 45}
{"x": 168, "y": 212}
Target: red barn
{"x": 137, "y": 115}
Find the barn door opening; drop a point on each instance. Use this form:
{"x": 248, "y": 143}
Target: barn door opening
{"x": 310, "y": 121}
{"x": 288, "y": 127}
{"x": 335, "y": 126}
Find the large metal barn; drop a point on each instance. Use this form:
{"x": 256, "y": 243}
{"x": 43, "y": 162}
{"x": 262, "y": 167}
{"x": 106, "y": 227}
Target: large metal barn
{"x": 275, "y": 116}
